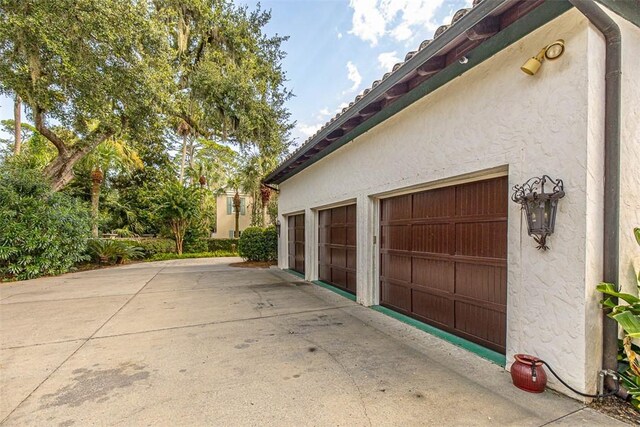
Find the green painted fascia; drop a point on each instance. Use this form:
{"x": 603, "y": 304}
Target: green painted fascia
{"x": 546, "y": 12}
{"x": 334, "y": 289}
{"x": 628, "y": 9}
{"x": 485, "y": 353}
{"x": 295, "y": 273}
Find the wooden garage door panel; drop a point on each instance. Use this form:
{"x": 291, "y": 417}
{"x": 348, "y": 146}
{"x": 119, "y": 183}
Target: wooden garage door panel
{"x": 396, "y": 237}
{"x": 338, "y": 236}
{"x": 337, "y": 247}
{"x": 397, "y": 267}
{"x": 396, "y": 296}
{"x": 482, "y": 239}
{"x": 482, "y": 282}
{"x": 434, "y": 204}
{"x": 339, "y": 257}
{"x": 443, "y": 258}
{"x": 484, "y": 198}
{"x": 432, "y": 307}
{"x": 399, "y": 209}
{"x": 351, "y": 259}
{"x": 296, "y": 242}
{"x": 433, "y": 274}
{"x": 433, "y": 238}
{"x": 471, "y": 319}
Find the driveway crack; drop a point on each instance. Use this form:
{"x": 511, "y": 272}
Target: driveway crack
{"x": 84, "y": 341}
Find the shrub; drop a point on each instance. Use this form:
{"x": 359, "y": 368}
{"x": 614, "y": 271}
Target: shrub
{"x": 251, "y": 245}
{"x": 230, "y": 245}
{"x": 153, "y": 246}
{"x": 271, "y": 243}
{"x": 259, "y": 244}
{"x": 41, "y": 232}
{"x": 113, "y": 251}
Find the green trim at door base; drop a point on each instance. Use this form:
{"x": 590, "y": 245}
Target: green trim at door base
{"x": 485, "y": 353}
{"x": 295, "y": 273}
{"x": 334, "y": 289}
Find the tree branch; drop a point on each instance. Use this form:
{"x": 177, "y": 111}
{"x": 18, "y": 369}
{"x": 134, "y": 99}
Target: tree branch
{"x": 48, "y": 133}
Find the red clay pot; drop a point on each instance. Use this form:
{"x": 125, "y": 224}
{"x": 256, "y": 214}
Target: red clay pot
{"x": 522, "y": 373}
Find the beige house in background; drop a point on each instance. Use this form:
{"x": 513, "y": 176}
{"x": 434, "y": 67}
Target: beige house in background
{"x": 225, "y": 214}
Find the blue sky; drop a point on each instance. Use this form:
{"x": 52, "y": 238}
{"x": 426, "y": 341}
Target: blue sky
{"x": 337, "y": 48}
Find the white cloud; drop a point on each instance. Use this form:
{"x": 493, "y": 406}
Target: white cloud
{"x": 354, "y": 75}
{"x": 387, "y": 60}
{"x": 308, "y": 130}
{"x": 339, "y": 35}
{"x": 325, "y": 112}
{"x": 399, "y": 19}
{"x": 342, "y": 107}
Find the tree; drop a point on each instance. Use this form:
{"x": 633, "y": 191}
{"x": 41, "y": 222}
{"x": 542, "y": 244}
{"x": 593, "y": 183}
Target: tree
{"x": 179, "y": 208}
{"x": 17, "y": 120}
{"x": 231, "y": 84}
{"x": 112, "y": 154}
{"x": 70, "y": 64}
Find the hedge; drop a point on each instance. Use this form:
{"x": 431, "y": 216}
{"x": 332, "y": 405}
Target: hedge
{"x": 258, "y": 244}
{"x": 230, "y": 245}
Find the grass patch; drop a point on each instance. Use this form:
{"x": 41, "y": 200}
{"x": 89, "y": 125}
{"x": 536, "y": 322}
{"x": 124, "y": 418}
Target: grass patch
{"x": 215, "y": 254}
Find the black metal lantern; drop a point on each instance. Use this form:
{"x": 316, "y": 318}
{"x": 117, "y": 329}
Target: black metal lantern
{"x": 539, "y": 206}
{"x": 278, "y": 226}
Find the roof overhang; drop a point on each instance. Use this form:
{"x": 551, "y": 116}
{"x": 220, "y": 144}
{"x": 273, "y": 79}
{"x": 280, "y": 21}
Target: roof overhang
{"x": 477, "y": 33}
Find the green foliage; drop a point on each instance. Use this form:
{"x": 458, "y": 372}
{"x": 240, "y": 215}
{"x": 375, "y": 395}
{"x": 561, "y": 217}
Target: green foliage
{"x": 251, "y": 245}
{"x": 215, "y": 254}
{"x": 258, "y": 244}
{"x": 230, "y": 245}
{"x": 195, "y": 240}
{"x": 153, "y": 246}
{"x": 179, "y": 209}
{"x": 113, "y": 251}
{"x": 627, "y": 314}
{"x": 41, "y": 232}
{"x": 271, "y": 243}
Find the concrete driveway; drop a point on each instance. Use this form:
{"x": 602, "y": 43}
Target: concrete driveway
{"x": 196, "y": 342}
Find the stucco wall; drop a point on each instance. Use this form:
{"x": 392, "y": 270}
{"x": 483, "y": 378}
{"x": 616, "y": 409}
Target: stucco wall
{"x": 494, "y": 118}
{"x": 226, "y": 222}
{"x": 629, "y": 153}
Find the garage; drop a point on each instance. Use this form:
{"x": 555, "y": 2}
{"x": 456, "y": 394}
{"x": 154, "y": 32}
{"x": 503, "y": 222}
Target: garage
{"x": 296, "y": 242}
{"x": 337, "y": 247}
{"x": 443, "y": 259}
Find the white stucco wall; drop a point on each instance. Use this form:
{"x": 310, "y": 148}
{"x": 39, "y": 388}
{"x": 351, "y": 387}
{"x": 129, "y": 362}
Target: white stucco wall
{"x": 629, "y": 153}
{"x": 497, "y": 120}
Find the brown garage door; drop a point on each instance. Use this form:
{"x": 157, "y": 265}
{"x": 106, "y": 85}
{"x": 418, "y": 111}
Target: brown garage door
{"x": 296, "y": 242}
{"x": 337, "y": 247}
{"x": 444, "y": 259}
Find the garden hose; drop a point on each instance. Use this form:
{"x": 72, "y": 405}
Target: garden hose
{"x": 597, "y": 396}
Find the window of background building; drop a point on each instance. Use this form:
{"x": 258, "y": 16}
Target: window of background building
{"x": 243, "y": 206}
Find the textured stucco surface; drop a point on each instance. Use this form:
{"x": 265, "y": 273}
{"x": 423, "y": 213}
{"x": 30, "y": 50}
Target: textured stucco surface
{"x": 629, "y": 153}
{"x": 226, "y": 222}
{"x": 495, "y": 118}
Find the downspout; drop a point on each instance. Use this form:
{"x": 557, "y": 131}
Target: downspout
{"x": 612, "y": 115}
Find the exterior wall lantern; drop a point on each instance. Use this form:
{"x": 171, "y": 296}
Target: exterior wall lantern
{"x": 278, "y": 226}
{"x": 539, "y": 206}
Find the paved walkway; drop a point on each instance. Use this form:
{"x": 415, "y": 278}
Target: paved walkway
{"x": 196, "y": 342}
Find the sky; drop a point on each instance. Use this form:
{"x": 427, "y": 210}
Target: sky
{"x": 337, "y": 48}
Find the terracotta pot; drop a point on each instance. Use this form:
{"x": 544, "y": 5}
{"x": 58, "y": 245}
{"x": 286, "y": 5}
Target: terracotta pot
{"x": 528, "y": 374}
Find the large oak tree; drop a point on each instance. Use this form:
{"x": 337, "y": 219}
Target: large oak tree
{"x": 90, "y": 70}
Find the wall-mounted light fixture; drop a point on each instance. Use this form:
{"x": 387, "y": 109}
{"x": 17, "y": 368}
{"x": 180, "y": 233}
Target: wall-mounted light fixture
{"x": 539, "y": 206}
{"x": 278, "y": 226}
{"x": 550, "y": 52}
